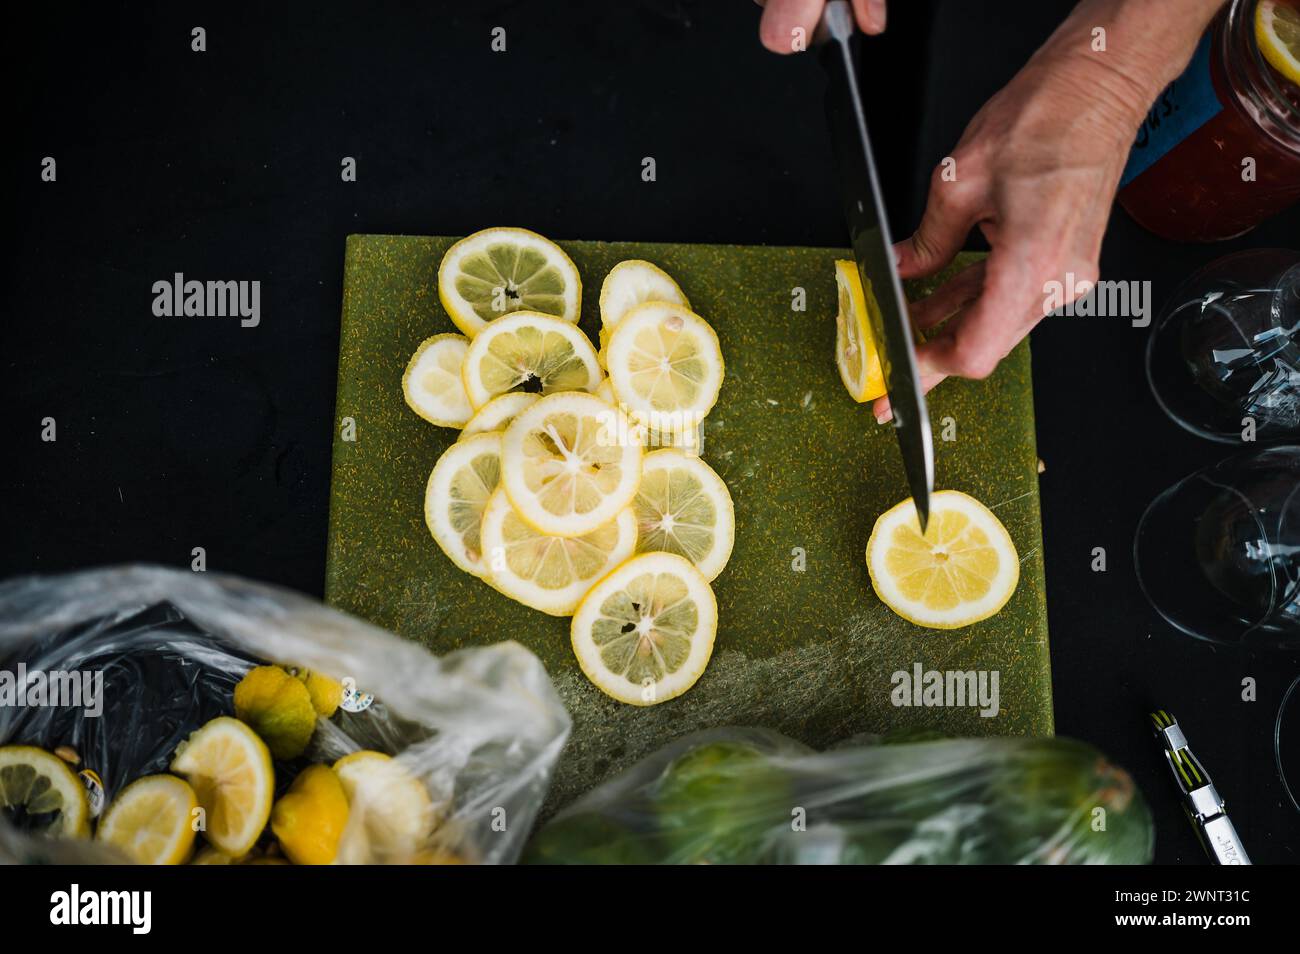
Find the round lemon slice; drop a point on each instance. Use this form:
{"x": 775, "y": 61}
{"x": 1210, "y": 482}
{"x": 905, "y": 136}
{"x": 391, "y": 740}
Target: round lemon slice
{"x": 498, "y": 412}
{"x": 390, "y": 813}
{"x": 551, "y": 574}
{"x": 151, "y": 820}
{"x": 633, "y": 283}
{"x": 458, "y": 490}
{"x": 432, "y": 383}
{"x": 496, "y": 271}
{"x": 1277, "y": 31}
{"x": 229, "y": 768}
{"x": 855, "y": 348}
{"x": 529, "y": 350}
{"x": 963, "y": 570}
{"x": 570, "y": 463}
{"x": 683, "y": 507}
{"x": 645, "y": 632}
{"x": 629, "y": 284}
{"x": 665, "y": 365}
{"x": 40, "y": 788}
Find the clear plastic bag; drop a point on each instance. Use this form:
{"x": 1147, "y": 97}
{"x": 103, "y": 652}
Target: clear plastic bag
{"x": 750, "y": 796}
{"x": 481, "y": 727}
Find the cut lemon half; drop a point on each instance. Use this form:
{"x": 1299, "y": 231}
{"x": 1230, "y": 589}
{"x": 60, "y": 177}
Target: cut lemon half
{"x": 963, "y": 570}
{"x": 1277, "y": 31}
{"x": 551, "y": 574}
{"x": 456, "y": 494}
{"x": 665, "y": 365}
{"x": 41, "y": 794}
{"x": 570, "y": 463}
{"x": 152, "y": 820}
{"x": 229, "y": 768}
{"x": 644, "y": 634}
{"x": 390, "y": 813}
{"x": 855, "y": 348}
{"x": 683, "y": 507}
{"x": 432, "y": 383}
{"x": 496, "y": 271}
{"x": 529, "y": 350}
{"x": 497, "y": 413}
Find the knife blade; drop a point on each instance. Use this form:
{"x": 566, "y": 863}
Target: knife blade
{"x": 873, "y": 250}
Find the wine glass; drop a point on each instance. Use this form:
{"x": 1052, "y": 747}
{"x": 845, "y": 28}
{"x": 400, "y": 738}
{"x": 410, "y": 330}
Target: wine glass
{"x": 1223, "y": 358}
{"x": 1218, "y": 553}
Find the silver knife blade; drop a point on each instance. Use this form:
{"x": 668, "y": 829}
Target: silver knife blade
{"x": 873, "y": 250}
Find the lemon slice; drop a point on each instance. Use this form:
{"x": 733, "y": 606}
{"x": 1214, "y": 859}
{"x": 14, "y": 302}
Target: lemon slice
{"x": 390, "y": 813}
{"x": 683, "y": 507}
{"x": 151, "y": 820}
{"x": 963, "y": 570}
{"x": 855, "y": 348}
{"x": 527, "y": 349}
{"x": 498, "y": 412}
{"x": 433, "y": 385}
{"x": 665, "y": 365}
{"x": 570, "y": 463}
{"x": 551, "y": 574}
{"x": 629, "y": 284}
{"x": 1277, "y": 31}
{"x": 496, "y": 271}
{"x": 40, "y": 792}
{"x": 645, "y": 632}
{"x": 605, "y": 391}
{"x": 458, "y": 490}
{"x": 633, "y": 283}
{"x": 229, "y": 768}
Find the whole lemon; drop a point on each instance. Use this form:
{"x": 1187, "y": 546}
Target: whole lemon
{"x": 278, "y": 708}
{"x": 309, "y": 818}
{"x": 326, "y": 693}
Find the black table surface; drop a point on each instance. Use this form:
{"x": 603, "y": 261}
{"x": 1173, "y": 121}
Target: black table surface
{"x": 225, "y": 164}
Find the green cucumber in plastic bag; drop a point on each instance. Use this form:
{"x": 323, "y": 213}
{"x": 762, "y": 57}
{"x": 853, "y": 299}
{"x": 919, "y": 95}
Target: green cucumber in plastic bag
{"x": 748, "y": 796}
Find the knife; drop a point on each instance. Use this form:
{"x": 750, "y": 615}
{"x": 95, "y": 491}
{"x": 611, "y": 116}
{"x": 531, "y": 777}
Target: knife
{"x": 874, "y": 251}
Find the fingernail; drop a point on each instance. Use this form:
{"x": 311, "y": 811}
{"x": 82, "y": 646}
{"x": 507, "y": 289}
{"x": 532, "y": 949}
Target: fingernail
{"x": 885, "y": 418}
{"x": 876, "y": 14}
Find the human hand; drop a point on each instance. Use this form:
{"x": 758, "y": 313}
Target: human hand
{"x": 783, "y": 19}
{"x": 1036, "y": 171}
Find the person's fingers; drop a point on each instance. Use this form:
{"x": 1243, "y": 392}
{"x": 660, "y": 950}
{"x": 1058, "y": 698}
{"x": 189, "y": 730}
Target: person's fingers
{"x": 951, "y": 210}
{"x": 783, "y": 18}
{"x": 884, "y": 413}
{"x": 1010, "y": 304}
{"x": 949, "y": 298}
{"x": 870, "y": 15}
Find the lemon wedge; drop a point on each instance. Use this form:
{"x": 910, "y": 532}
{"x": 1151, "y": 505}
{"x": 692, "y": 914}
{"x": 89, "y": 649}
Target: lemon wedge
{"x": 963, "y": 570}
{"x": 665, "y": 366}
{"x": 229, "y": 768}
{"x": 527, "y": 349}
{"x": 570, "y": 463}
{"x": 551, "y": 574}
{"x": 500, "y": 270}
{"x": 682, "y": 506}
{"x": 855, "y": 348}
{"x": 432, "y": 383}
{"x": 151, "y": 820}
{"x": 644, "y": 634}
{"x": 456, "y": 494}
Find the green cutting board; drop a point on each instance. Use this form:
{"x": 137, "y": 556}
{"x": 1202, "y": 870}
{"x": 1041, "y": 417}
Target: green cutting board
{"x": 803, "y": 646}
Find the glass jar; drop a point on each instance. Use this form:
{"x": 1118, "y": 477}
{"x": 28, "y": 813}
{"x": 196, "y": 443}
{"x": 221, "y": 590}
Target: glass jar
{"x": 1219, "y": 151}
